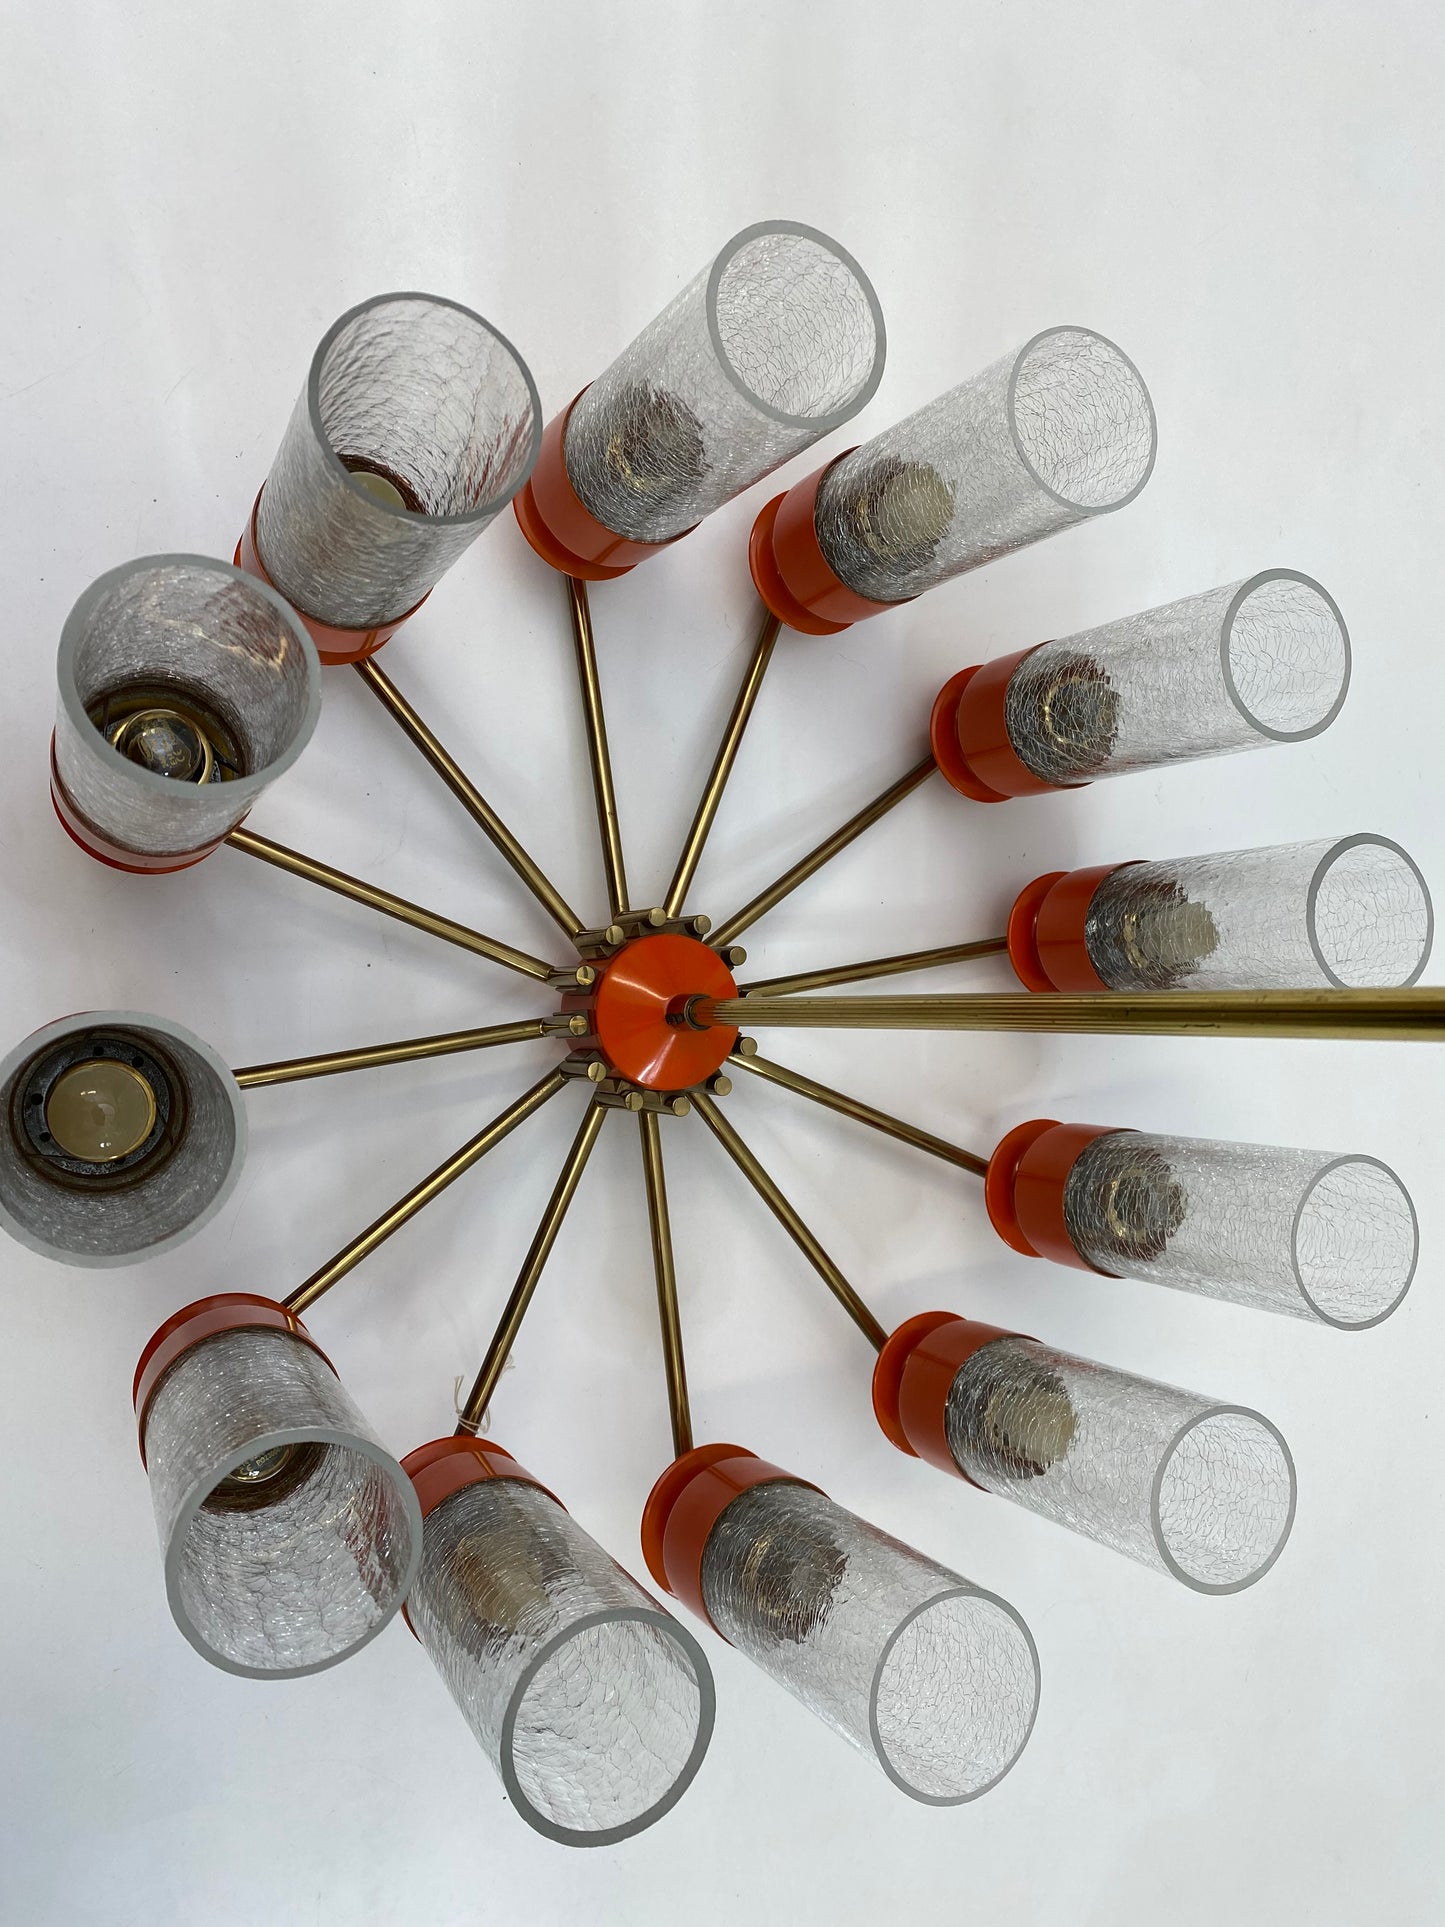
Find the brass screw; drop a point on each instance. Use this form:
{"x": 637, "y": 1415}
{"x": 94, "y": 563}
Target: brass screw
{"x": 745, "y": 1047}
{"x": 733, "y": 954}
{"x": 719, "y": 1084}
{"x": 656, "y": 917}
{"x": 679, "y": 1106}
{"x": 597, "y": 1070}
{"x": 614, "y": 934}
{"x": 699, "y": 925}
{"x": 586, "y": 975}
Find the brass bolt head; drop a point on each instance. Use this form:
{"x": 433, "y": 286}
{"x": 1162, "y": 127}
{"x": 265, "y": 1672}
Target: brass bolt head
{"x": 719, "y": 1084}
{"x": 745, "y": 1047}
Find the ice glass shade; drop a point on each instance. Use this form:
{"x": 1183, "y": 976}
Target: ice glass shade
{"x": 430, "y": 398}
{"x": 593, "y": 1704}
{"x": 774, "y": 343}
{"x": 275, "y": 1586}
{"x": 1352, "y": 913}
{"x": 1059, "y": 431}
{"x": 1197, "y": 1489}
{"x": 137, "y": 1208}
{"x": 1307, "y": 1233}
{"x": 203, "y": 633}
{"x": 934, "y": 1680}
{"x": 1259, "y": 661}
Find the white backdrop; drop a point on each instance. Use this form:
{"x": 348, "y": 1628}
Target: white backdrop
{"x": 1246, "y": 196}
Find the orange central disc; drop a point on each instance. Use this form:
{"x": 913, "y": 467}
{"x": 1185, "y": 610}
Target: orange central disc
{"x": 629, "y": 1008}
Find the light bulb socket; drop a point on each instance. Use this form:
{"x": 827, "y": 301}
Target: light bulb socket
{"x": 790, "y": 571}
{"x": 1046, "y": 930}
{"x": 914, "y": 1375}
{"x": 1024, "y": 1188}
{"x": 132, "y": 1206}
{"x": 567, "y": 536}
{"x": 686, "y": 1503}
{"x": 116, "y": 856}
{"x": 191, "y": 1326}
{"x": 333, "y": 645}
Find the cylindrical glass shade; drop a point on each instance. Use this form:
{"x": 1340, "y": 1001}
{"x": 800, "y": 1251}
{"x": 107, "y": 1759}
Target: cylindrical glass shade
{"x": 593, "y": 1704}
{"x": 774, "y": 343}
{"x": 185, "y": 688}
{"x": 417, "y": 425}
{"x": 1261, "y": 661}
{"x": 121, "y": 1134}
{"x": 290, "y": 1535}
{"x": 1199, "y": 1490}
{"x": 933, "y": 1679}
{"x": 1351, "y": 913}
{"x": 1061, "y": 430}
{"x": 1301, "y": 1232}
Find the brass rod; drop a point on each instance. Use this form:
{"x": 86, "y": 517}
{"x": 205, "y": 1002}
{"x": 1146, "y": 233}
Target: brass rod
{"x": 505, "y": 1336}
{"x": 669, "y": 1317}
{"x": 790, "y": 1221}
{"x": 722, "y": 768}
{"x": 1411, "y": 1015}
{"x": 607, "y": 824}
{"x": 389, "y": 906}
{"x": 468, "y": 795}
{"x": 432, "y": 1187}
{"x": 443, "y": 1044}
{"x": 854, "y": 973}
{"x": 824, "y": 853}
{"x": 865, "y": 1114}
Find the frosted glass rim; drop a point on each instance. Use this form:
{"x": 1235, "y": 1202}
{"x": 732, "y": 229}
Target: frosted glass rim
{"x": 165, "y": 1027}
{"x": 1079, "y": 508}
{"x": 662, "y": 1622}
{"x": 484, "y": 511}
{"x": 1353, "y": 1324}
{"x": 148, "y": 782}
{"x": 1332, "y": 856}
{"x": 964, "y": 1591}
{"x": 1171, "y": 1564}
{"x": 817, "y": 425}
{"x": 265, "y": 1442}
{"x": 1226, "y": 636}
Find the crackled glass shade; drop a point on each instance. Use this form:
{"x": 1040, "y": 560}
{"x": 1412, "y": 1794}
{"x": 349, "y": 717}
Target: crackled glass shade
{"x": 185, "y": 689}
{"x": 1262, "y": 661}
{"x": 1061, "y": 430}
{"x": 593, "y": 1704}
{"x": 774, "y": 343}
{"x": 289, "y": 1533}
{"x": 1202, "y": 1491}
{"x": 1306, "y": 1233}
{"x": 1346, "y": 913}
{"x": 121, "y": 1134}
{"x": 417, "y": 425}
{"x": 934, "y": 1680}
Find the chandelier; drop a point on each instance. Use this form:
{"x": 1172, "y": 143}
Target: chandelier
{"x": 290, "y": 1535}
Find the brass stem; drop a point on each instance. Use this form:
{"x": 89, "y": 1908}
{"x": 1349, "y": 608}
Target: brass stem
{"x": 443, "y": 1044}
{"x": 389, "y": 906}
{"x": 854, "y": 973}
{"x": 662, "y": 1263}
{"x": 722, "y": 767}
{"x": 468, "y": 795}
{"x": 405, "y": 1208}
{"x": 1412, "y": 1015}
{"x": 824, "y": 853}
{"x": 864, "y": 1114}
{"x": 505, "y": 1336}
{"x": 790, "y": 1221}
{"x": 607, "y": 823}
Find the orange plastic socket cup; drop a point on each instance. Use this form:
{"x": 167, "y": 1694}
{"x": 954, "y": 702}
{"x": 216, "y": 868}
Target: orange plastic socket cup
{"x": 686, "y": 1503}
{"x": 193, "y": 1324}
{"x": 1046, "y": 943}
{"x": 913, "y": 1376}
{"x": 790, "y": 572}
{"x": 1024, "y": 1188}
{"x": 566, "y": 535}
